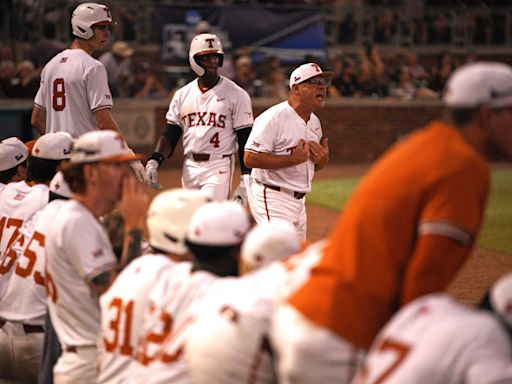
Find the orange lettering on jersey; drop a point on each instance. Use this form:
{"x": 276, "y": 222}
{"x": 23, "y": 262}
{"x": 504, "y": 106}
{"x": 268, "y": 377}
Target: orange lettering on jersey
{"x": 212, "y": 120}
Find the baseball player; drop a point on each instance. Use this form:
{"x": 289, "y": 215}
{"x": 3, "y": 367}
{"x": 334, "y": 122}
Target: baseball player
{"x": 124, "y": 304}
{"x": 286, "y": 147}
{"x": 213, "y": 114}
{"x": 13, "y": 156}
{"x": 80, "y": 260}
{"x": 74, "y": 95}
{"x": 19, "y": 201}
{"x": 400, "y": 236}
{"x": 435, "y": 340}
{"x": 240, "y": 317}
{"x": 23, "y": 306}
{"x": 214, "y": 236}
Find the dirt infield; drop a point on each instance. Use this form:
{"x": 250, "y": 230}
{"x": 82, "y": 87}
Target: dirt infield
{"x": 480, "y": 271}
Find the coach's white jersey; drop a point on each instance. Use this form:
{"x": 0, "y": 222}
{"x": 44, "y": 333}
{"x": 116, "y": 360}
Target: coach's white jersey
{"x": 435, "y": 340}
{"x": 25, "y": 298}
{"x": 73, "y": 86}
{"x": 18, "y": 203}
{"x": 209, "y": 120}
{"x": 77, "y": 250}
{"x": 277, "y": 131}
{"x": 229, "y": 341}
{"x": 122, "y": 313}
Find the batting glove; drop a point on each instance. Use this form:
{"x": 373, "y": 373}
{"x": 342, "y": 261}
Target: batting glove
{"x": 240, "y": 195}
{"x": 138, "y": 169}
{"x": 152, "y": 174}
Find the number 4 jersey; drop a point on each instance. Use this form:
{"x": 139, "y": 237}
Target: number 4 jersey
{"x": 73, "y": 86}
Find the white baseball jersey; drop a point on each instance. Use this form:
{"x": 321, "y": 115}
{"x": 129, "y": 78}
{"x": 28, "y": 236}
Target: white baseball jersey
{"x": 209, "y": 120}
{"x": 277, "y": 131}
{"x": 18, "y": 203}
{"x": 437, "y": 340}
{"x": 25, "y": 298}
{"x": 77, "y": 250}
{"x": 229, "y": 341}
{"x": 174, "y": 300}
{"x": 122, "y": 313}
{"x": 73, "y": 86}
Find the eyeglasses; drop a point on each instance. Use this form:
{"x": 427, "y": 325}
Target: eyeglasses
{"x": 318, "y": 81}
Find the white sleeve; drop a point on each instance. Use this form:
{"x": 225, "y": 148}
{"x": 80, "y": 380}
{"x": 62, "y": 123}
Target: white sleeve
{"x": 242, "y": 113}
{"x": 41, "y": 92}
{"x": 173, "y": 113}
{"x": 89, "y": 249}
{"x": 263, "y": 135}
{"x": 98, "y": 92}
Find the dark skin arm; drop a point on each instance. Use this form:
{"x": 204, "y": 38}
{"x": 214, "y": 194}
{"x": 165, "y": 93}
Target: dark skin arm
{"x": 242, "y": 135}
{"x": 167, "y": 142}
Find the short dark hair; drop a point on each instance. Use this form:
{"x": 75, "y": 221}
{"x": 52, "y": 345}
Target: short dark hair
{"x": 219, "y": 259}
{"x": 74, "y": 176}
{"x": 8, "y": 174}
{"x": 460, "y": 116}
{"x": 41, "y": 170}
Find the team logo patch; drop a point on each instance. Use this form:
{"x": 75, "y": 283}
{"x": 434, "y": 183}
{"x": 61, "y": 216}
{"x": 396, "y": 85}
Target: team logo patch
{"x": 256, "y": 144}
{"x": 64, "y": 59}
{"x": 221, "y": 99}
{"x": 18, "y": 157}
{"x": 108, "y": 97}
{"x": 97, "y": 253}
{"x": 19, "y": 197}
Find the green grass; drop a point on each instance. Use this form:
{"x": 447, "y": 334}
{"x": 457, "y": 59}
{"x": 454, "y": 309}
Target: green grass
{"x": 496, "y": 233}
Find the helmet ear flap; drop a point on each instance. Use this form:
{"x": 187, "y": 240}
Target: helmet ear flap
{"x": 85, "y": 16}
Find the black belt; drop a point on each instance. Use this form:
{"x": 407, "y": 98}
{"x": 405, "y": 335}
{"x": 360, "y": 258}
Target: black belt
{"x": 297, "y": 195}
{"x": 75, "y": 348}
{"x": 203, "y": 156}
{"x": 28, "y": 328}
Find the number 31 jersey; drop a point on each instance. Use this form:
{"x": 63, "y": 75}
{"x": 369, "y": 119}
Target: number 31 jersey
{"x": 73, "y": 86}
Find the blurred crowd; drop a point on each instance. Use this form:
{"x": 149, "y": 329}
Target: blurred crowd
{"x": 369, "y": 74}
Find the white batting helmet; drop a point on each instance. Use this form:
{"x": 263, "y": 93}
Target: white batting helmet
{"x": 267, "y": 242}
{"x": 86, "y": 15}
{"x": 203, "y": 44}
{"x": 168, "y": 218}
{"x": 501, "y": 297}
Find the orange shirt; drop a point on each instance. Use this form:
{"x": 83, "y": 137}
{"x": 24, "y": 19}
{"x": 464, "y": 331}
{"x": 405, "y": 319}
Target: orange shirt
{"x": 434, "y": 176}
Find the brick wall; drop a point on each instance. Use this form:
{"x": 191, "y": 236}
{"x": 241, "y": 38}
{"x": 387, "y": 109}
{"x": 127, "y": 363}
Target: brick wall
{"x": 358, "y": 130}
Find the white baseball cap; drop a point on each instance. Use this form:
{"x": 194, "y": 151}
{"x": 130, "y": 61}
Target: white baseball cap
{"x": 59, "y": 185}
{"x": 102, "y": 145}
{"x": 501, "y": 297}
{"x": 267, "y": 242}
{"x": 307, "y": 71}
{"x": 479, "y": 83}
{"x": 219, "y": 223}
{"x": 12, "y": 153}
{"x": 53, "y": 146}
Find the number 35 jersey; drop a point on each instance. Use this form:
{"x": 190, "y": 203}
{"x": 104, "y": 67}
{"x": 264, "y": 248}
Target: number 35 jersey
{"x": 73, "y": 86}
{"x": 209, "y": 119}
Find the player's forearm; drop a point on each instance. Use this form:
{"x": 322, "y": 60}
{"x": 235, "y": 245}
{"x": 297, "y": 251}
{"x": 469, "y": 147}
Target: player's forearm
{"x": 322, "y": 163}
{"x": 38, "y": 120}
{"x": 105, "y": 120}
{"x": 269, "y": 161}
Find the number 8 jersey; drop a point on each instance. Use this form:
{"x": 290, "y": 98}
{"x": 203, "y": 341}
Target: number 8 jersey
{"x": 73, "y": 86}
